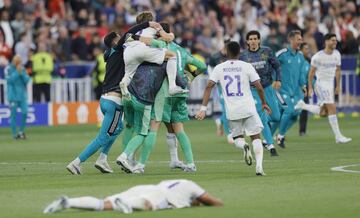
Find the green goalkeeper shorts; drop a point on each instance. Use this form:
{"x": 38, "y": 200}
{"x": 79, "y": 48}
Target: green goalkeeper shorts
{"x": 170, "y": 110}
{"x": 137, "y": 115}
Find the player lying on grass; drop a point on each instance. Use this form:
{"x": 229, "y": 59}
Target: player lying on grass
{"x": 165, "y": 195}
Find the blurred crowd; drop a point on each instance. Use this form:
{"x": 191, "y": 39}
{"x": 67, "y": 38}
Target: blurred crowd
{"x": 72, "y": 30}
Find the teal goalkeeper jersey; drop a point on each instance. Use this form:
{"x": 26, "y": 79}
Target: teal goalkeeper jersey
{"x": 293, "y": 71}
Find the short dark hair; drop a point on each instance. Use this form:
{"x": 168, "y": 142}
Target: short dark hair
{"x": 165, "y": 26}
{"x": 252, "y": 32}
{"x": 302, "y": 45}
{"x": 109, "y": 38}
{"x": 293, "y": 33}
{"x": 329, "y": 36}
{"x": 144, "y": 16}
{"x": 232, "y": 49}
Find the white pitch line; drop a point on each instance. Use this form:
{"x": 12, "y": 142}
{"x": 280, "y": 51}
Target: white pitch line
{"x": 342, "y": 169}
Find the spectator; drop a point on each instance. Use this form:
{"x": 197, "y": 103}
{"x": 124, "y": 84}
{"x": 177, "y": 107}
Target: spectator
{"x": 6, "y": 29}
{"x": 79, "y": 46}
{"x": 5, "y": 50}
{"x": 99, "y": 72}
{"x": 18, "y": 25}
{"x": 23, "y": 47}
{"x": 350, "y": 45}
{"x": 42, "y": 67}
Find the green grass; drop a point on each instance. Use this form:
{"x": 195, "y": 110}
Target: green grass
{"x": 299, "y": 183}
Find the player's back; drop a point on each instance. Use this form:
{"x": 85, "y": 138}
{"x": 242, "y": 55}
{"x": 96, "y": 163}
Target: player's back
{"x": 180, "y": 193}
{"x": 147, "y": 82}
{"x": 234, "y": 77}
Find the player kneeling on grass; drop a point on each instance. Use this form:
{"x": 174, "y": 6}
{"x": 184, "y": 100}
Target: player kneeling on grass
{"x": 165, "y": 195}
{"x": 235, "y": 77}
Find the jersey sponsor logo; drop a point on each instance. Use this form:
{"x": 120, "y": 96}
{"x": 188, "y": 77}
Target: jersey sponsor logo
{"x": 259, "y": 64}
{"x": 264, "y": 56}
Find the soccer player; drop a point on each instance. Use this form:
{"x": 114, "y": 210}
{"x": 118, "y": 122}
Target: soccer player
{"x": 304, "y": 48}
{"x": 17, "y": 79}
{"x": 137, "y": 52}
{"x": 173, "y": 111}
{"x": 222, "y": 123}
{"x": 143, "y": 88}
{"x": 167, "y": 194}
{"x": 293, "y": 84}
{"x": 325, "y": 65}
{"x": 264, "y": 61}
{"x": 110, "y": 103}
{"x": 235, "y": 77}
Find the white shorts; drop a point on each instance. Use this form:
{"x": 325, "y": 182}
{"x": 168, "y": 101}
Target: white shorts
{"x": 137, "y": 197}
{"x": 249, "y": 126}
{"x": 137, "y": 52}
{"x": 324, "y": 92}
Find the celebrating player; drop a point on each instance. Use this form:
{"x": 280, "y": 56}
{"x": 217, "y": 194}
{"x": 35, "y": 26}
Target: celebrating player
{"x": 110, "y": 103}
{"x": 265, "y": 62}
{"x": 235, "y": 77}
{"x": 173, "y": 111}
{"x": 325, "y": 65}
{"x": 137, "y": 52}
{"x": 293, "y": 84}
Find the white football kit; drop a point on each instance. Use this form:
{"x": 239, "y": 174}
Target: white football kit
{"x": 136, "y": 197}
{"x": 181, "y": 193}
{"x": 235, "y": 77}
{"x": 137, "y": 52}
{"x": 325, "y": 65}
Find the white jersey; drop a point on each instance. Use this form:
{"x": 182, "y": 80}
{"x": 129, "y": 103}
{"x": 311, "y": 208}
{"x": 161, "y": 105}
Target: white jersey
{"x": 180, "y": 193}
{"x": 147, "y": 32}
{"x": 134, "y": 197}
{"x": 325, "y": 65}
{"x": 235, "y": 77}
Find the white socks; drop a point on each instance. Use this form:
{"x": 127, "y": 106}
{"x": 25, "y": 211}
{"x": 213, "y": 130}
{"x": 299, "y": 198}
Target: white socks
{"x": 102, "y": 157}
{"x": 172, "y": 143}
{"x": 258, "y": 150}
{"x": 171, "y": 71}
{"x": 77, "y": 161}
{"x": 268, "y": 147}
{"x": 240, "y": 143}
{"x": 315, "y": 109}
{"x": 87, "y": 203}
{"x": 334, "y": 125}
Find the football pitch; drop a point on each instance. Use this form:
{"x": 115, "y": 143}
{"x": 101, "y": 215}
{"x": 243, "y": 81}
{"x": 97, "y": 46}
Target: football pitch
{"x": 299, "y": 183}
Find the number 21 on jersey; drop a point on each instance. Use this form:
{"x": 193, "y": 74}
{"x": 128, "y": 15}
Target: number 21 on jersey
{"x": 229, "y": 87}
